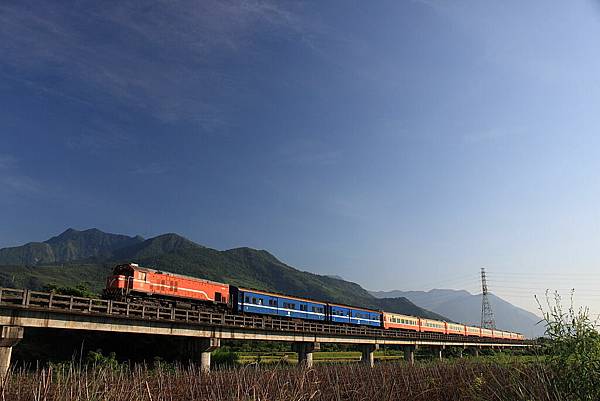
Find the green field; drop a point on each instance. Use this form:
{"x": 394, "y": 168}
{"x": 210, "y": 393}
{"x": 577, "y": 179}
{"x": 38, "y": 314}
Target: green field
{"x": 318, "y": 357}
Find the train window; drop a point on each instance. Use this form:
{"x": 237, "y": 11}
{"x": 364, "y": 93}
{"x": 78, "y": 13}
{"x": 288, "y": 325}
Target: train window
{"x": 143, "y": 276}
{"x": 260, "y": 301}
{"x": 247, "y": 300}
{"x": 254, "y": 300}
{"x": 275, "y": 303}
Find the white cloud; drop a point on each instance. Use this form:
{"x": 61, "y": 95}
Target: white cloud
{"x": 7, "y": 161}
{"x": 161, "y": 57}
{"x": 309, "y": 153}
{"x": 152, "y": 168}
{"x": 12, "y": 180}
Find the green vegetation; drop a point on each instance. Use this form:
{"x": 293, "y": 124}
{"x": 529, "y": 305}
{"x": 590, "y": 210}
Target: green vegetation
{"x": 224, "y": 358}
{"x": 318, "y": 357}
{"x": 572, "y": 350}
{"x": 92, "y": 276}
{"x": 77, "y": 291}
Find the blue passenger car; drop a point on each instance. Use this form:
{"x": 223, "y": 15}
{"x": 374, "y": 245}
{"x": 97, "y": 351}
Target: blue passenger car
{"x": 353, "y": 315}
{"x": 265, "y": 303}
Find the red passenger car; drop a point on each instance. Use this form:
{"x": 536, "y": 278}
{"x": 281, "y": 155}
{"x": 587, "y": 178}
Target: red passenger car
{"x": 433, "y": 326}
{"x": 456, "y": 328}
{"x": 130, "y": 281}
{"x": 397, "y": 321}
{"x": 487, "y": 333}
{"x": 473, "y": 331}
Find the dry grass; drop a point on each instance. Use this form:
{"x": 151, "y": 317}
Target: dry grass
{"x": 463, "y": 381}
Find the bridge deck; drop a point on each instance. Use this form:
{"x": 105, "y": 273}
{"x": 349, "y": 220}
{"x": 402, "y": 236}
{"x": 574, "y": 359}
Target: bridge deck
{"x": 41, "y": 309}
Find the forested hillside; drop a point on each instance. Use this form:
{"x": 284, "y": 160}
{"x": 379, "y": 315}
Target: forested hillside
{"x": 87, "y": 257}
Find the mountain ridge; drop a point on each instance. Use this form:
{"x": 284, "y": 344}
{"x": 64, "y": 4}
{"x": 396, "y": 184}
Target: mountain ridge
{"x": 86, "y": 257}
{"x": 68, "y": 246}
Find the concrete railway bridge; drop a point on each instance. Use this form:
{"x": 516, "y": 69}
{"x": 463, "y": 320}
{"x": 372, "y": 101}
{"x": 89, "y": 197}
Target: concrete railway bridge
{"x": 20, "y": 309}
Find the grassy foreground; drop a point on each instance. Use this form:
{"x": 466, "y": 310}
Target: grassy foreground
{"x": 463, "y": 380}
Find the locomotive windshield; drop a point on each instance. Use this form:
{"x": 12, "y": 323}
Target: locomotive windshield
{"x": 123, "y": 270}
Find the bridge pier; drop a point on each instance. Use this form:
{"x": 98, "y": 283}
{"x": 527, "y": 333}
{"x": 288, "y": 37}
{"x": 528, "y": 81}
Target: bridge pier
{"x": 368, "y": 353}
{"x": 305, "y": 353}
{"x": 206, "y": 346}
{"x": 409, "y": 354}
{"x": 441, "y": 353}
{"x": 9, "y": 337}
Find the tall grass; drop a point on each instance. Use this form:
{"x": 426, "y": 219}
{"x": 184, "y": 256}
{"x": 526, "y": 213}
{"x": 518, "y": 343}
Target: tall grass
{"x": 572, "y": 348}
{"x": 464, "y": 380}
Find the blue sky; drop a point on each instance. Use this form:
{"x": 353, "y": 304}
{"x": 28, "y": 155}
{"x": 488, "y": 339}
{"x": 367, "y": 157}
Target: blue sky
{"x": 399, "y": 144}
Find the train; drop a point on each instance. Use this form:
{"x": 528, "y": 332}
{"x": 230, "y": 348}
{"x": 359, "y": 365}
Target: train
{"x": 131, "y": 282}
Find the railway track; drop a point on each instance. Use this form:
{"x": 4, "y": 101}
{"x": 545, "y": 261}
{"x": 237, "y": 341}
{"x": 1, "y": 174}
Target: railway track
{"x": 50, "y": 302}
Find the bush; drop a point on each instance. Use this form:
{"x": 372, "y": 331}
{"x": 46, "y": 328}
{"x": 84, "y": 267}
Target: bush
{"x": 77, "y": 291}
{"x": 573, "y": 349}
{"x": 97, "y": 359}
{"x": 224, "y": 357}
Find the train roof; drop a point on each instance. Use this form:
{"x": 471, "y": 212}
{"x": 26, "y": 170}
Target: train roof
{"x": 149, "y": 270}
{"x": 356, "y": 307}
{"x": 278, "y": 294}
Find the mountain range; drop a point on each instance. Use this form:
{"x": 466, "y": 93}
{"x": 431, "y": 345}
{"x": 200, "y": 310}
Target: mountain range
{"x": 462, "y": 306}
{"x": 87, "y": 257}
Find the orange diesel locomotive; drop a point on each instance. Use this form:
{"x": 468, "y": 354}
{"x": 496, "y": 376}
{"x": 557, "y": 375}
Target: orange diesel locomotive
{"x": 130, "y": 281}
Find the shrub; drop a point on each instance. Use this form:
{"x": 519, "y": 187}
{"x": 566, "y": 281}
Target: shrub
{"x": 80, "y": 290}
{"x": 97, "y": 359}
{"x": 573, "y": 349}
{"x": 224, "y": 357}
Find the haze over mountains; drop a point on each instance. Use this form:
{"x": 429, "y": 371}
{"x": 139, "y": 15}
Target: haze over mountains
{"x": 462, "y": 306}
{"x": 86, "y": 257}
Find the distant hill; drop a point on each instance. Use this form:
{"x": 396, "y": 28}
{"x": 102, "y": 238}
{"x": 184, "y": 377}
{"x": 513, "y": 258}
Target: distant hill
{"x": 86, "y": 257}
{"x": 69, "y": 246}
{"x": 462, "y": 306}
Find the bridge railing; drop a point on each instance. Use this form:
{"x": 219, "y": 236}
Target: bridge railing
{"x": 72, "y": 304}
